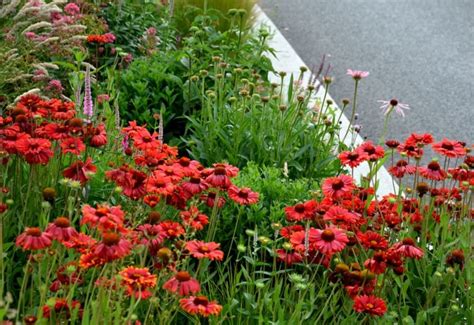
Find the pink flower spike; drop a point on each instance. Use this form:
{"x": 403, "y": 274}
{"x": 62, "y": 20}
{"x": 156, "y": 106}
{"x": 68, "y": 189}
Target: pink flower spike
{"x": 357, "y": 74}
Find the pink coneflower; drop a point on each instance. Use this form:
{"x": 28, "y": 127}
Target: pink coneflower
{"x": 61, "y": 229}
{"x": 243, "y": 196}
{"x": 200, "y": 249}
{"x": 33, "y": 239}
{"x": 330, "y": 240}
{"x": 408, "y": 248}
{"x": 371, "y": 305}
{"x": 357, "y": 74}
{"x": 389, "y": 105}
{"x": 433, "y": 171}
{"x": 200, "y": 306}
{"x": 337, "y": 187}
{"x": 183, "y": 284}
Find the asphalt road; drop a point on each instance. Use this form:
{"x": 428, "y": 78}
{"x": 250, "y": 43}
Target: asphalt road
{"x": 418, "y": 51}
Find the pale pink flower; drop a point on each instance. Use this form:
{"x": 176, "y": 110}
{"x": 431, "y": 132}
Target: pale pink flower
{"x": 389, "y": 105}
{"x": 357, "y": 74}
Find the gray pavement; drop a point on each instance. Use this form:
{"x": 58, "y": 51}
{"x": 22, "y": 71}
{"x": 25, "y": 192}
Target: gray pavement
{"x": 418, "y": 51}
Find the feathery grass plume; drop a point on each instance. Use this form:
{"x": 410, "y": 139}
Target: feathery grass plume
{"x": 9, "y": 8}
{"x": 88, "y": 104}
{"x": 47, "y": 65}
{"x": 29, "y": 92}
{"x": 36, "y": 26}
{"x": 48, "y": 40}
{"x": 22, "y": 76}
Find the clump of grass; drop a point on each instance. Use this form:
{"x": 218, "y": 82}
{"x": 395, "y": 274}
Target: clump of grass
{"x": 187, "y": 10}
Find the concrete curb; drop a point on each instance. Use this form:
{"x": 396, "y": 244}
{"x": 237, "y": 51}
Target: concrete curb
{"x": 289, "y": 61}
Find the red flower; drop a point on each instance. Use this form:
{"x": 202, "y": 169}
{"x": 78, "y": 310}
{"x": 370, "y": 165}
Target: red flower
{"x": 34, "y": 150}
{"x": 200, "y": 249}
{"x": 377, "y": 263}
{"x": 33, "y": 239}
{"x": 80, "y": 171}
{"x": 220, "y": 175}
{"x": 449, "y": 148}
{"x": 289, "y": 257}
{"x": 411, "y": 150}
{"x": 112, "y": 247}
{"x": 171, "y": 172}
{"x": 98, "y": 136}
{"x": 159, "y": 184}
{"x": 401, "y": 168}
{"x": 210, "y": 200}
{"x": 243, "y": 196}
{"x": 61, "y": 307}
{"x": 195, "y": 185}
{"x": 373, "y": 152}
{"x": 200, "y": 306}
{"x": 183, "y": 284}
{"x": 171, "y": 229}
{"x": 301, "y": 211}
{"x": 54, "y": 131}
{"x": 151, "y": 200}
{"x": 61, "y": 229}
{"x": 408, "y": 248}
{"x": 137, "y": 281}
{"x": 189, "y": 167}
{"x": 72, "y": 145}
{"x": 81, "y": 243}
{"x": 337, "y": 187}
{"x": 372, "y": 240}
{"x": 419, "y": 139}
{"x": 370, "y": 305}
{"x": 330, "y": 240}
{"x": 433, "y": 171}
{"x": 61, "y": 110}
{"x": 132, "y": 181}
{"x": 286, "y": 232}
{"x": 353, "y": 158}
{"x": 338, "y": 215}
{"x": 143, "y": 140}
{"x": 104, "y": 217}
{"x": 194, "y": 218}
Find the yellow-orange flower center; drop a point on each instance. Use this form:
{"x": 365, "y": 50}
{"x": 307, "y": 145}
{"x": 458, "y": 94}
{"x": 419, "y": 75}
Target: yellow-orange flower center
{"x": 182, "y": 276}
{"x": 34, "y": 231}
{"x": 62, "y": 222}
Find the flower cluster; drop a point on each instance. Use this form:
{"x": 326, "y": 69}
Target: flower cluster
{"x": 349, "y": 221}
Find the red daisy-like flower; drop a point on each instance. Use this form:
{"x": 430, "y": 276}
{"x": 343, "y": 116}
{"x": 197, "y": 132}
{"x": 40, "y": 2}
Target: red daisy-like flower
{"x": 151, "y": 200}
{"x": 200, "y": 249}
{"x": 243, "y": 196}
{"x": 373, "y": 152}
{"x": 301, "y": 211}
{"x": 411, "y": 150}
{"x": 72, "y": 145}
{"x": 34, "y": 150}
{"x": 190, "y": 168}
{"x": 449, "y": 148}
{"x": 195, "y": 185}
{"x": 289, "y": 257}
{"x": 298, "y": 239}
{"x": 61, "y": 110}
{"x": 54, "y": 131}
{"x": 194, "y": 218}
{"x": 353, "y": 158}
{"x": 132, "y": 181}
{"x": 419, "y": 139}
{"x": 338, "y": 215}
{"x": 61, "y": 229}
{"x": 183, "y": 284}
{"x": 33, "y": 239}
{"x": 137, "y": 281}
{"x": 104, "y": 217}
{"x": 401, "y": 168}
{"x": 81, "y": 242}
{"x": 210, "y": 199}
{"x": 98, "y": 136}
{"x": 372, "y": 240}
{"x": 200, "y": 306}
{"x": 371, "y": 305}
{"x": 408, "y": 248}
{"x": 433, "y": 171}
{"x": 62, "y": 308}
{"x": 286, "y": 232}
{"x": 171, "y": 229}
{"x": 330, "y": 240}
{"x": 171, "y": 172}
{"x": 112, "y": 247}
{"x": 377, "y": 263}
{"x": 338, "y": 187}
{"x": 80, "y": 171}
{"x": 159, "y": 185}
{"x": 143, "y": 140}
{"x": 220, "y": 175}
